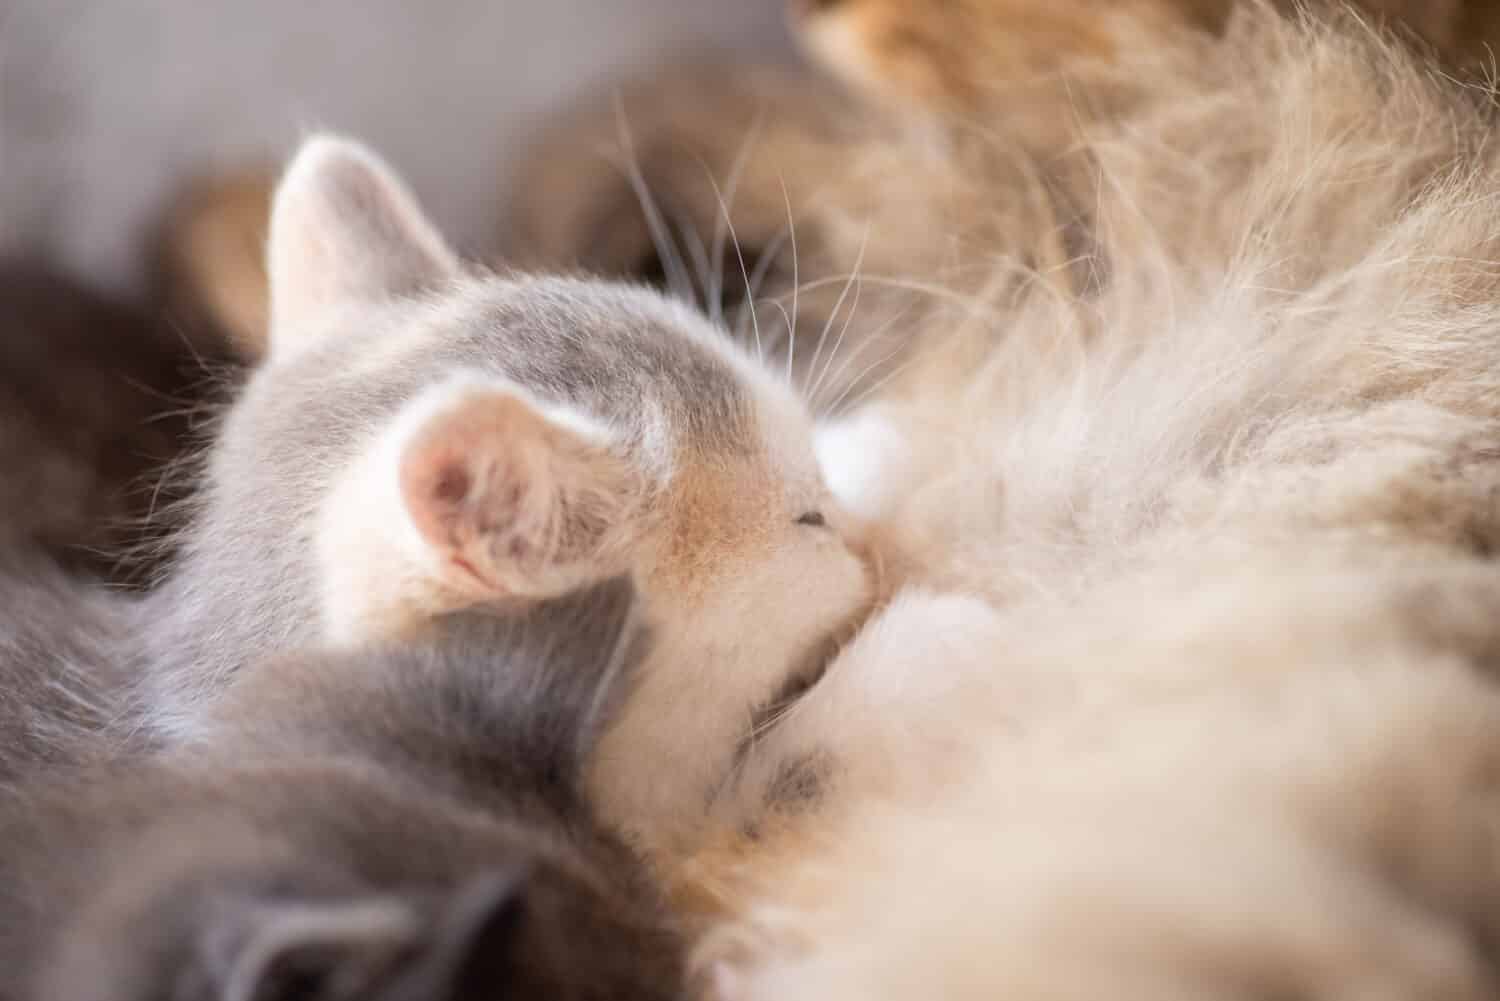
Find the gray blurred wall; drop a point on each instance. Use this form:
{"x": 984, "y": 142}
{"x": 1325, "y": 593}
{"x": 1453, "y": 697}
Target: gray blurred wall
{"x": 106, "y": 104}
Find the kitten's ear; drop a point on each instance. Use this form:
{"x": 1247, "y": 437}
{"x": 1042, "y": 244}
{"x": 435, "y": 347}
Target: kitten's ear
{"x": 515, "y": 499}
{"x": 479, "y": 495}
{"x": 344, "y": 228}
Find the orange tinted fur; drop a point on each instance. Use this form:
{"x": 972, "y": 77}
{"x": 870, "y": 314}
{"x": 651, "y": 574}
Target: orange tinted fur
{"x": 962, "y": 56}
{"x": 965, "y": 55}
{"x": 718, "y": 512}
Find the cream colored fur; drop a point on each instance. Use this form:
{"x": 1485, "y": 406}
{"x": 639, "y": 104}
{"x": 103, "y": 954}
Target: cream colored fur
{"x": 1233, "y": 807}
{"x": 1189, "y": 692}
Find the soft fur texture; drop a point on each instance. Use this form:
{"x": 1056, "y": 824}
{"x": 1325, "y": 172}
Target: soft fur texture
{"x": 1187, "y": 488}
{"x": 838, "y": 210}
{"x": 395, "y": 824}
{"x": 1197, "y": 699}
{"x": 1267, "y": 795}
{"x": 958, "y": 56}
{"x": 66, "y": 678}
{"x": 424, "y": 440}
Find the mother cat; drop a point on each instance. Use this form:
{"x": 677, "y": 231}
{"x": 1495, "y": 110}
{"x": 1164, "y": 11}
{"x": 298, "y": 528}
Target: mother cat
{"x": 1191, "y": 691}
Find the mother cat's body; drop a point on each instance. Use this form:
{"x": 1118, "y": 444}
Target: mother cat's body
{"x": 1208, "y": 709}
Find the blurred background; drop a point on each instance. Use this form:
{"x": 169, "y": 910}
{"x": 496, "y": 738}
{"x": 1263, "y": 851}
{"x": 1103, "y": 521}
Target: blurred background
{"x": 107, "y": 106}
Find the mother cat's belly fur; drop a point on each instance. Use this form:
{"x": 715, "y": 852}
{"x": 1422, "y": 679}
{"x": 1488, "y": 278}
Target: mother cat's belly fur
{"x": 1212, "y": 710}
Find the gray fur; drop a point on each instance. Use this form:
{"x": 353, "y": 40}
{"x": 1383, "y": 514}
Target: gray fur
{"x": 62, "y": 676}
{"x": 417, "y": 783}
{"x": 245, "y": 587}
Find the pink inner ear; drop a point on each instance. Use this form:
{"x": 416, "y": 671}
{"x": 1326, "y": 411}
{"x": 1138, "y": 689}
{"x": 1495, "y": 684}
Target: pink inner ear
{"x": 469, "y": 480}
{"x": 452, "y": 485}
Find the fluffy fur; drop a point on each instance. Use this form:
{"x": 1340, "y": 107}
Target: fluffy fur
{"x": 64, "y": 662}
{"x": 1280, "y": 789}
{"x": 959, "y": 56}
{"x": 1202, "y": 705}
{"x": 398, "y": 823}
{"x": 424, "y": 440}
{"x": 764, "y": 197}
{"x": 1189, "y": 481}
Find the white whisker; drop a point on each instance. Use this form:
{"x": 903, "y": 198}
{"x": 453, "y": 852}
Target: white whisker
{"x": 791, "y": 225}
{"x": 744, "y": 273}
{"x": 834, "y": 408}
{"x": 699, "y": 254}
{"x": 839, "y": 303}
{"x": 872, "y": 338}
{"x": 833, "y": 353}
{"x": 723, "y": 222}
{"x": 666, "y": 247}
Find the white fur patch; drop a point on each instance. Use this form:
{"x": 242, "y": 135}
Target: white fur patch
{"x": 861, "y": 457}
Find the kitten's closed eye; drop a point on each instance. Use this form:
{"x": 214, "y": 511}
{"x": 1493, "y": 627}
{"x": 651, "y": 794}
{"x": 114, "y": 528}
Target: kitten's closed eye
{"x": 813, "y": 519}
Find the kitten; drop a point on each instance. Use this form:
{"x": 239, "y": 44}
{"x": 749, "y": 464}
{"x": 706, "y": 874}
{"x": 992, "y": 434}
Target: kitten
{"x": 396, "y": 824}
{"x": 425, "y": 440}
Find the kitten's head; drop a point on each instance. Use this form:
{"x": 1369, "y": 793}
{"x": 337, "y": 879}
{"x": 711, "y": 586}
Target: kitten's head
{"x": 423, "y": 440}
